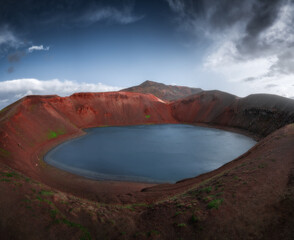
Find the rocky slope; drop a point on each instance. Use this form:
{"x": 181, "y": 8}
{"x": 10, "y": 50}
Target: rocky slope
{"x": 162, "y": 91}
{"x": 251, "y": 197}
{"x": 257, "y": 113}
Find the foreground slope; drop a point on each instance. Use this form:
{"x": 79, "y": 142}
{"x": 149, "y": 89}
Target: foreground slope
{"x": 251, "y": 197}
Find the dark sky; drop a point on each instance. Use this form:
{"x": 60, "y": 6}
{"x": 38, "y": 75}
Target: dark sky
{"x": 64, "y": 46}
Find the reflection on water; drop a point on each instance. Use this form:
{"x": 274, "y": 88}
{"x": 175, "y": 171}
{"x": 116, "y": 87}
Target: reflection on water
{"x": 148, "y": 153}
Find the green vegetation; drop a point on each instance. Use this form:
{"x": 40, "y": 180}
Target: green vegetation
{"x": 219, "y": 194}
{"x": 206, "y": 190}
{"x": 178, "y": 213}
{"x": 4, "y": 152}
{"x": 147, "y": 116}
{"x": 130, "y": 206}
{"x": 46, "y": 193}
{"x": 194, "y": 219}
{"x": 4, "y": 110}
{"x": 85, "y": 233}
{"x": 208, "y": 198}
{"x": 13, "y": 177}
{"x": 39, "y": 198}
{"x": 182, "y": 225}
{"x": 218, "y": 186}
{"x": 53, "y": 213}
{"x": 7, "y": 174}
{"x": 52, "y": 134}
{"x": 215, "y": 203}
{"x": 180, "y": 205}
{"x": 7, "y": 177}
{"x": 58, "y": 218}
{"x": 5, "y": 180}
{"x": 152, "y": 233}
{"x": 141, "y": 205}
{"x": 262, "y": 165}
{"x": 197, "y": 192}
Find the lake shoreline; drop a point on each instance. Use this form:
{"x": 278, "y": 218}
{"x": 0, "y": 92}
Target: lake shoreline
{"x": 112, "y": 191}
{"x": 122, "y": 165}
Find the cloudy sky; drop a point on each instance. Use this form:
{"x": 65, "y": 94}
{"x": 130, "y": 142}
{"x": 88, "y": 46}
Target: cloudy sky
{"x": 66, "y": 46}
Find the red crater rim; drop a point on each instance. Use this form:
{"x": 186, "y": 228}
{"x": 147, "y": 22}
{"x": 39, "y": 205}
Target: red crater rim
{"x": 33, "y": 125}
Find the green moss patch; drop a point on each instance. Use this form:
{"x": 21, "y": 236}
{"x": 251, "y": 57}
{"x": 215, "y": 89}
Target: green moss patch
{"x": 206, "y": 190}
{"x": 46, "y": 193}
{"x": 4, "y": 110}
{"x": 152, "y": 233}
{"x": 182, "y": 225}
{"x": 4, "y": 152}
{"x": 9, "y": 174}
{"x": 54, "y": 134}
{"x": 58, "y": 218}
{"x": 5, "y": 180}
{"x": 214, "y": 203}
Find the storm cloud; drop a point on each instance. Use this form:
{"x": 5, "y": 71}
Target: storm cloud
{"x": 242, "y": 47}
{"x": 252, "y": 41}
{"x": 249, "y": 20}
{"x": 23, "y": 14}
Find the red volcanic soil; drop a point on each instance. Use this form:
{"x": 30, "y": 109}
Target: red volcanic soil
{"x": 251, "y": 197}
{"x": 30, "y": 127}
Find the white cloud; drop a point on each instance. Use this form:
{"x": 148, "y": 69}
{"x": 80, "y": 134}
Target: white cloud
{"x": 223, "y": 59}
{"x": 3, "y": 101}
{"x": 38, "y": 48}
{"x": 12, "y": 90}
{"x": 176, "y": 5}
{"x": 8, "y": 40}
{"x": 282, "y": 86}
{"x": 124, "y": 16}
{"x": 7, "y": 37}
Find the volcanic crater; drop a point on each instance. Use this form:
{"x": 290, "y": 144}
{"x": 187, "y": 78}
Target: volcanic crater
{"x": 251, "y": 197}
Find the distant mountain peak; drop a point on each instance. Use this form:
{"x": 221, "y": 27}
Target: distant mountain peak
{"x": 162, "y": 91}
{"x": 149, "y": 82}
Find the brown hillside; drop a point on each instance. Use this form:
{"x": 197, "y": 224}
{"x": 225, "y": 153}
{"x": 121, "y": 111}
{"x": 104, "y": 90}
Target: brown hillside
{"x": 162, "y": 91}
{"x": 259, "y": 113}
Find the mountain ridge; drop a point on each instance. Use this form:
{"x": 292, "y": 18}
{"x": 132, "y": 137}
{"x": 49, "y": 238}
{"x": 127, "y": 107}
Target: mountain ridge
{"x": 162, "y": 91}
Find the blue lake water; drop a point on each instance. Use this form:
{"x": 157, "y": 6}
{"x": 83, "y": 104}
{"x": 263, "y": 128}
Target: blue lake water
{"x": 148, "y": 153}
